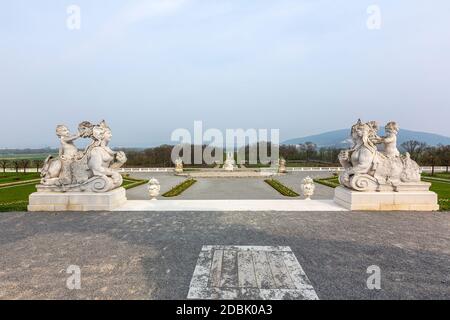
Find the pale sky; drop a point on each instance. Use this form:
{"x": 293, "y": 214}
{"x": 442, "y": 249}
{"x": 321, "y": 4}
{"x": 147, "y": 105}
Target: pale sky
{"x": 150, "y": 67}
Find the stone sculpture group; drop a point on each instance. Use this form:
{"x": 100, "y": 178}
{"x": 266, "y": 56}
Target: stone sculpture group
{"x": 376, "y": 175}
{"x": 381, "y": 179}
{"x": 368, "y": 169}
{"x": 92, "y": 169}
{"x": 81, "y": 180}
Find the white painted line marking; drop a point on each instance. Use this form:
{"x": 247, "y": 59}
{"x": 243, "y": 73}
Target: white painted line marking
{"x": 230, "y": 205}
{"x": 249, "y": 272}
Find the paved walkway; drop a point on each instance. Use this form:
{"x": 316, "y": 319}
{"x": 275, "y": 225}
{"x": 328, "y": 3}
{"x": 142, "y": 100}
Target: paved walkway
{"x": 229, "y": 188}
{"x": 153, "y": 255}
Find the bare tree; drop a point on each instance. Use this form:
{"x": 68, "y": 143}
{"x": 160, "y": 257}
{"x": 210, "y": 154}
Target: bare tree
{"x": 414, "y": 148}
{"x": 38, "y": 163}
{"x": 24, "y": 163}
{"x": 444, "y": 156}
{"x": 430, "y": 157}
{"x": 16, "y": 164}
{"x": 310, "y": 150}
{"x": 4, "y": 164}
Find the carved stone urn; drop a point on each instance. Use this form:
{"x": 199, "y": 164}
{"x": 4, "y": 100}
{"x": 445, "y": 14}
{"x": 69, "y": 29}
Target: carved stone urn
{"x": 308, "y": 187}
{"x": 153, "y": 188}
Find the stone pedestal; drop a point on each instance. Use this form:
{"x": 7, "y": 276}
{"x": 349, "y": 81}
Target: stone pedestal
{"x": 418, "y": 200}
{"x": 77, "y": 201}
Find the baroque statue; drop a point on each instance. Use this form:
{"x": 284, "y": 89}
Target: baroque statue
{"x": 282, "y": 165}
{"x": 369, "y": 169}
{"x": 178, "y": 165}
{"x": 93, "y": 169}
{"x": 229, "y": 162}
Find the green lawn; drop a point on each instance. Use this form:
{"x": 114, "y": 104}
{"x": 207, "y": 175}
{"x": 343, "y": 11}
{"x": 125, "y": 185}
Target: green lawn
{"x": 443, "y": 191}
{"x": 440, "y": 175}
{"x": 257, "y": 165}
{"x": 15, "y": 198}
{"x": 311, "y": 164}
{"x": 441, "y": 188}
{"x": 7, "y": 177}
{"x": 26, "y": 156}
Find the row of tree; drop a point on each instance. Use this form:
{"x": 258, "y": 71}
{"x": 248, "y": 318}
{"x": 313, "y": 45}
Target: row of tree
{"x": 424, "y": 154}
{"x": 428, "y": 155}
{"x": 161, "y": 156}
{"x": 22, "y": 165}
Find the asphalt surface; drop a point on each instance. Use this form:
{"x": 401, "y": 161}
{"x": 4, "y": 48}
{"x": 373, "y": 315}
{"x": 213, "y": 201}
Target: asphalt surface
{"x": 142, "y": 255}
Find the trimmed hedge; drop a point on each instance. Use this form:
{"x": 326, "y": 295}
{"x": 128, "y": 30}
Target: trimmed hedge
{"x": 180, "y": 188}
{"x": 129, "y": 182}
{"x": 14, "y": 206}
{"x": 281, "y": 188}
{"x": 332, "y": 182}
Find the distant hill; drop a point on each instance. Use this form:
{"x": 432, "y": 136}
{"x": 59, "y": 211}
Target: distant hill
{"x": 341, "y": 138}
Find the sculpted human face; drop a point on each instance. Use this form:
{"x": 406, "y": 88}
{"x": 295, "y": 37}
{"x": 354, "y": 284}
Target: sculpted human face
{"x": 62, "y": 131}
{"x": 107, "y": 136}
{"x": 360, "y": 132}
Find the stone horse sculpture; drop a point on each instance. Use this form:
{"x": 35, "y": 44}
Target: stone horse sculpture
{"x": 94, "y": 169}
{"x": 368, "y": 169}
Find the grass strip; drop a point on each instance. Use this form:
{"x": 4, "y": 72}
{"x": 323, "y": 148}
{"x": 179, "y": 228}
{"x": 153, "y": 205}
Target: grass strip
{"x": 440, "y": 175}
{"x": 332, "y": 182}
{"x": 281, "y": 188}
{"x": 180, "y": 188}
{"x": 12, "y": 184}
{"x": 129, "y": 182}
{"x": 13, "y": 177}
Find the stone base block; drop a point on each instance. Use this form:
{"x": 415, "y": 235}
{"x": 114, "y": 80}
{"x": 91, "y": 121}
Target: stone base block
{"x": 386, "y": 201}
{"x": 77, "y": 201}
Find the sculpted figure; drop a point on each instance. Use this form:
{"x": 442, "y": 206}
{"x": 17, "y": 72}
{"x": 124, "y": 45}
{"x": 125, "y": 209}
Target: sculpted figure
{"x": 367, "y": 169}
{"x": 229, "y": 162}
{"x": 178, "y": 165}
{"x": 359, "y": 159}
{"x": 282, "y": 165}
{"x": 390, "y": 140}
{"x": 57, "y": 171}
{"x": 103, "y": 161}
{"x": 93, "y": 169}
{"x": 67, "y": 150}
